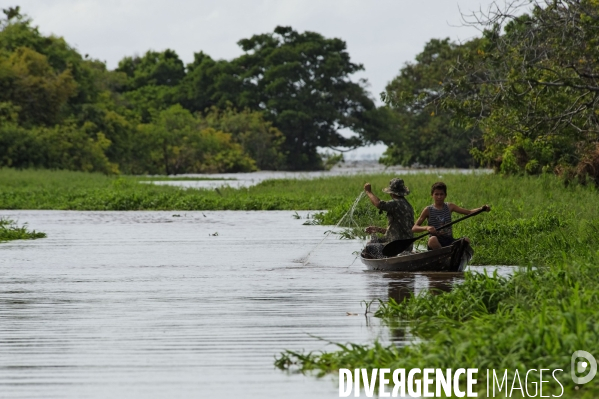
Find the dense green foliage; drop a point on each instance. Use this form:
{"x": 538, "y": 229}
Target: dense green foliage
{"x": 178, "y": 143}
{"x": 9, "y": 230}
{"x": 271, "y": 108}
{"x": 301, "y": 81}
{"x": 527, "y": 87}
{"x": 260, "y": 140}
{"x": 521, "y": 98}
{"x": 538, "y": 98}
{"x": 422, "y": 133}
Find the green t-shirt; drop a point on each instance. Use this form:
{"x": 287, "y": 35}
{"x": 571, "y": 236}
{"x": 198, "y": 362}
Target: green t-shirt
{"x": 400, "y": 217}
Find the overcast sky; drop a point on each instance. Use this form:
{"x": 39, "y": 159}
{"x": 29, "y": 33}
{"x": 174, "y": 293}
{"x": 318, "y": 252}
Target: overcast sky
{"x": 380, "y": 34}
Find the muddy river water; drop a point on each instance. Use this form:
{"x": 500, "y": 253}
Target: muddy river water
{"x": 180, "y": 304}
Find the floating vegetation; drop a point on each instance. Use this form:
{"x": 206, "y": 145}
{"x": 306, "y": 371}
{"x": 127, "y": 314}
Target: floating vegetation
{"x": 345, "y": 234}
{"x": 312, "y": 222}
{"x": 9, "y": 230}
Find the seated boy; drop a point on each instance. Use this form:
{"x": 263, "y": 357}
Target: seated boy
{"x": 439, "y": 214}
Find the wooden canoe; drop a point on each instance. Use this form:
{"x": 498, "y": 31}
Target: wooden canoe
{"x": 453, "y": 258}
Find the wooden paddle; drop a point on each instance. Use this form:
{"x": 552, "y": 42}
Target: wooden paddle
{"x": 398, "y": 246}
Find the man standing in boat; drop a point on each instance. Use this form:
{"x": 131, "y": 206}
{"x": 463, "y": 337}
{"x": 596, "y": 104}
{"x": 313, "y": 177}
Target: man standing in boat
{"x": 400, "y": 216}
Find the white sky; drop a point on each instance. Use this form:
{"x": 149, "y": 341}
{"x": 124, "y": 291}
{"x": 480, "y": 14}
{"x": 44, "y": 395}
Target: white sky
{"x": 380, "y": 34}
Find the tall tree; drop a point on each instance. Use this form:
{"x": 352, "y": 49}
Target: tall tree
{"x": 152, "y": 81}
{"x": 153, "y": 69}
{"x": 302, "y": 82}
{"x": 422, "y": 132}
{"x": 30, "y": 83}
{"x": 209, "y": 83}
{"x": 532, "y": 87}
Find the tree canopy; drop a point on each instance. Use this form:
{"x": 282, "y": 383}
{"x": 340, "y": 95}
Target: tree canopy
{"x": 531, "y": 86}
{"x": 271, "y": 108}
{"x": 422, "y": 131}
{"x": 300, "y": 81}
{"x": 522, "y": 98}
{"x": 527, "y": 87}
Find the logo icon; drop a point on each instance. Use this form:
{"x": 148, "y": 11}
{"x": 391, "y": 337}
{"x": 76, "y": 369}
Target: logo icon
{"x": 583, "y": 362}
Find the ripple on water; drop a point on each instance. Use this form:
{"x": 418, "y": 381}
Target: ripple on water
{"x": 144, "y": 304}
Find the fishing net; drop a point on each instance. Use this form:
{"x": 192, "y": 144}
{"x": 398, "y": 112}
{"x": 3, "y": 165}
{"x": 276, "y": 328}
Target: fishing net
{"x": 350, "y": 222}
{"x": 352, "y": 225}
{"x": 362, "y": 214}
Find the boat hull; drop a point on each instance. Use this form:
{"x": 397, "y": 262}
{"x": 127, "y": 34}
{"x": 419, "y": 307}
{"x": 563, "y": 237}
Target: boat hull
{"x": 453, "y": 258}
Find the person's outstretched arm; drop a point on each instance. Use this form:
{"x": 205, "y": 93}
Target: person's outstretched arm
{"x": 376, "y": 202}
{"x": 457, "y": 209}
{"x": 373, "y": 198}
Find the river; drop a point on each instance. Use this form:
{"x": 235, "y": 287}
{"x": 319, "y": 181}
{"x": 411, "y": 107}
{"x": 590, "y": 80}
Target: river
{"x": 350, "y": 168}
{"x": 181, "y": 304}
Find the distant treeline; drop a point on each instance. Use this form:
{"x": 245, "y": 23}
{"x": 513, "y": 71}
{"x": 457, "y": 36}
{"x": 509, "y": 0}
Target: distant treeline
{"x": 271, "y": 108}
{"x": 521, "y": 99}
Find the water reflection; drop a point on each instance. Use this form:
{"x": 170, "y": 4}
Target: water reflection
{"x": 402, "y": 286}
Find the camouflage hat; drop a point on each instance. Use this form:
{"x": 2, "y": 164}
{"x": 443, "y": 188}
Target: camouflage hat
{"x": 397, "y": 187}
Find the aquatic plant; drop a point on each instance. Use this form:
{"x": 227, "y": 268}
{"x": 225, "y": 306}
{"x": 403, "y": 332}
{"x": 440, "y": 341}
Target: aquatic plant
{"x": 10, "y": 230}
